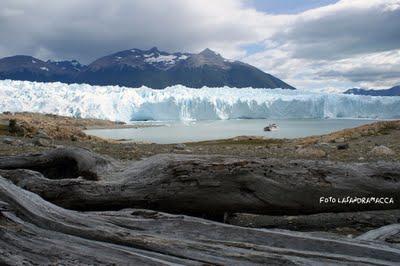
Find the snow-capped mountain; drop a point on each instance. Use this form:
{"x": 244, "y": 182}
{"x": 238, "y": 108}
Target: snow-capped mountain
{"x": 181, "y": 103}
{"x": 394, "y": 91}
{"x": 139, "y": 59}
{"x": 152, "y": 68}
{"x": 22, "y": 67}
{"x": 72, "y": 66}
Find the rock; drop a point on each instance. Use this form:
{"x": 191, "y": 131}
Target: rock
{"x": 41, "y": 134}
{"x": 180, "y": 146}
{"x": 8, "y": 141}
{"x": 16, "y": 128}
{"x": 355, "y": 135}
{"x": 12, "y": 141}
{"x": 381, "y": 151}
{"x": 343, "y": 146}
{"x": 311, "y": 152}
{"x": 324, "y": 144}
{"x": 42, "y": 142}
{"x": 339, "y": 140}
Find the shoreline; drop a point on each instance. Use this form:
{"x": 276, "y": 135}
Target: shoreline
{"x": 354, "y": 144}
{"x": 229, "y": 129}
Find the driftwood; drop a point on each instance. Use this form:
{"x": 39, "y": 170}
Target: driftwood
{"x": 34, "y": 231}
{"x": 388, "y": 233}
{"x": 361, "y": 221}
{"x": 201, "y": 185}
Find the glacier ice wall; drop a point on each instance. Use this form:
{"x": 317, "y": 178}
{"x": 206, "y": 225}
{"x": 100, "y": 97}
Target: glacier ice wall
{"x": 182, "y": 103}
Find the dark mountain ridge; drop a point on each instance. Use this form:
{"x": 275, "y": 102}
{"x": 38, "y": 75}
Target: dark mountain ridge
{"x": 394, "y": 91}
{"x": 151, "y": 68}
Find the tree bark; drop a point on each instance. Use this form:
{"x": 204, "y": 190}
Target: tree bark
{"x": 202, "y": 185}
{"x": 34, "y": 231}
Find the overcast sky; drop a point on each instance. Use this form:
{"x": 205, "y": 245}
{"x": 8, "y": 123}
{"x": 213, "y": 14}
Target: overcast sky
{"x": 308, "y": 43}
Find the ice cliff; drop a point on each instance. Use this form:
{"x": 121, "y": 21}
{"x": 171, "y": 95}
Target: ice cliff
{"x": 182, "y": 103}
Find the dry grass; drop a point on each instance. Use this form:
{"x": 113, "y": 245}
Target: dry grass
{"x": 56, "y": 127}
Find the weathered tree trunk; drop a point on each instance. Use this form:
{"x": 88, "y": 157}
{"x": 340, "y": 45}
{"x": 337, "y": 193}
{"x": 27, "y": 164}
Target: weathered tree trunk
{"x": 388, "y": 233}
{"x": 209, "y": 185}
{"x": 360, "y": 221}
{"x": 34, "y": 231}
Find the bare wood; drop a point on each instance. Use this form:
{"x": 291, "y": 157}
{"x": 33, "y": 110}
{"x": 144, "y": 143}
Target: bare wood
{"x": 206, "y": 185}
{"x": 360, "y": 221}
{"x": 36, "y": 231}
{"x": 388, "y": 233}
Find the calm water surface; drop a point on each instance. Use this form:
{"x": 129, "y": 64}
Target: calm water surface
{"x": 176, "y": 132}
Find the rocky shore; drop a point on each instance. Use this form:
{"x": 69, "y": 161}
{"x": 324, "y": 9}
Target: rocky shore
{"x": 331, "y": 199}
{"x": 373, "y": 142}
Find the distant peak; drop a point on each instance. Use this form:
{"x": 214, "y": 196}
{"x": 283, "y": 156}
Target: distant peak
{"x": 154, "y": 49}
{"x": 208, "y": 52}
{"x": 22, "y": 57}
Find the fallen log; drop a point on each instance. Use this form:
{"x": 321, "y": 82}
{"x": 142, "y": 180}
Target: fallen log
{"x": 388, "y": 233}
{"x": 359, "y": 221}
{"x": 206, "y": 185}
{"x": 61, "y": 163}
{"x": 34, "y": 231}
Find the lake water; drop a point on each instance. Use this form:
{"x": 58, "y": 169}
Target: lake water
{"x": 177, "y": 132}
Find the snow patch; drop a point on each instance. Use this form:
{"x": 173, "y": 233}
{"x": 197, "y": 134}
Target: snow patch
{"x": 167, "y": 59}
{"x": 183, "y": 57}
{"x": 44, "y": 69}
{"x": 182, "y": 103}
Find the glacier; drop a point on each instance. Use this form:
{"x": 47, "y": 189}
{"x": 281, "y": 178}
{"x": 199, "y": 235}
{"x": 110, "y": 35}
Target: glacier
{"x": 182, "y": 103}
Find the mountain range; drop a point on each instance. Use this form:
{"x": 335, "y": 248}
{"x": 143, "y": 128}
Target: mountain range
{"x": 394, "y": 91}
{"x": 151, "y": 68}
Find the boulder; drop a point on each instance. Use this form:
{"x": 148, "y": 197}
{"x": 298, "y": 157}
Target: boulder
{"x": 12, "y": 141}
{"x": 381, "y": 151}
{"x": 180, "y": 146}
{"x": 16, "y": 128}
{"x": 42, "y": 142}
{"x": 340, "y": 140}
{"x": 311, "y": 152}
{"x": 355, "y": 135}
{"x": 41, "y": 134}
{"x": 343, "y": 146}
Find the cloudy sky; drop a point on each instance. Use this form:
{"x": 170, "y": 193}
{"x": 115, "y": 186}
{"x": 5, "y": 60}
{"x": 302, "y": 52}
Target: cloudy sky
{"x": 320, "y": 44}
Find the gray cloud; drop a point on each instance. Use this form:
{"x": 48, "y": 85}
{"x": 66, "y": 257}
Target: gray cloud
{"x": 366, "y": 74}
{"x": 343, "y": 30}
{"x": 86, "y": 29}
{"x": 352, "y": 41}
